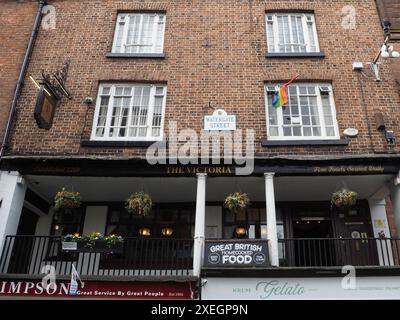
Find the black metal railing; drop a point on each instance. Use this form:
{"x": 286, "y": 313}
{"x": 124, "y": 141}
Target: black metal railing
{"x": 135, "y": 257}
{"x": 325, "y": 252}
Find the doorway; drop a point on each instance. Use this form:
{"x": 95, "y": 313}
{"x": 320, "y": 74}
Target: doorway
{"x": 313, "y": 245}
{"x": 22, "y": 246}
{"x": 312, "y": 232}
{"x": 354, "y": 227}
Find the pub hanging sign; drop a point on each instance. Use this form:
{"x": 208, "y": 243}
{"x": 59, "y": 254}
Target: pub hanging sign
{"x": 51, "y": 89}
{"x": 46, "y": 105}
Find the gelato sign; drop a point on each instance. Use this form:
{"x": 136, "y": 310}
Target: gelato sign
{"x": 310, "y": 288}
{"x": 242, "y": 253}
{"x": 220, "y": 121}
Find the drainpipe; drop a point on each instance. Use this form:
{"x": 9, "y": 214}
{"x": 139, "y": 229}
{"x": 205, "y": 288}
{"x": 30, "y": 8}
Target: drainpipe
{"x": 22, "y": 74}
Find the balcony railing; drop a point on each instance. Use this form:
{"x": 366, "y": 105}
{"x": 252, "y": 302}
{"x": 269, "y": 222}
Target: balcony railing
{"x": 35, "y": 255}
{"x": 326, "y": 252}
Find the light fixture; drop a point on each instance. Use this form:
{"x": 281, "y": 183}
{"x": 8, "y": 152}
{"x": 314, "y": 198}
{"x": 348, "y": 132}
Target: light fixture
{"x": 167, "y": 231}
{"x": 241, "y": 231}
{"x": 88, "y": 100}
{"x": 145, "y": 232}
{"x": 386, "y": 51}
{"x": 350, "y": 132}
{"x": 56, "y": 227}
{"x": 389, "y": 52}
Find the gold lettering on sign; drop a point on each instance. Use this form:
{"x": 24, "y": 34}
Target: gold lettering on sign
{"x": 349, "y": 169}
{"x": 194, "y": 170}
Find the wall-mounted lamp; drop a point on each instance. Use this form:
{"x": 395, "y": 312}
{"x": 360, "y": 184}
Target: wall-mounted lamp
{"x": 167, "y": 232}
{"x": 145, "y": 232}
{"x": 381, "y": 126}
{"x": 88, "y": 100}
{"x": 241, "y": 231}
{"x": 386, "y": 51}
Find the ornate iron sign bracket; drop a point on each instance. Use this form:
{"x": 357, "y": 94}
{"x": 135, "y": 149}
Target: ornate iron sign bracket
{"x": 56, "y": 81}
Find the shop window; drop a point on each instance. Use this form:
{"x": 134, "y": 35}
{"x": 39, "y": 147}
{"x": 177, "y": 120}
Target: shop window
{"x": 253, "y": 220}
{"x": 291, "y": 33}
{"x": 309, "y": 114}
{"x": 139, "y": 33}
{"x": 67, "y": 221}
{"x": 173, "y": 221}
{"x": 129, "y": 112}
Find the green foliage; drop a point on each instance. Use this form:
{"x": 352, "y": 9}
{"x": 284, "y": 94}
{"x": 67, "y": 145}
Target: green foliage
{"x": 67, "y": 199}
{"x": 139, "y": 203}
{"x": 344, "y": 198}
{"x": 236, "y": 201}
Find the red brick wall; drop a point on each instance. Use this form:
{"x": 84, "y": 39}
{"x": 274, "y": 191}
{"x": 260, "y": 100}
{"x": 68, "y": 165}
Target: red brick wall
{"x": 16, "y": 22}
{"x": 230, "y": 73}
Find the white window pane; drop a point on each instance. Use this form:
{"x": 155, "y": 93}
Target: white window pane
{"x": 307, "y": 131}
{"x": 270, "y": 37}
{"x": 287, "y": 131}
{"x": 286, "y": 34}
{"x": 273, "y": 131}
{"x": 295, "y": 38}
{"x": 294, "y": 33}
{"x": 316, "y": 131}
{"x": 106, "y": 90}
{"x": 144, "y": 33}
{"x": 330, "y": 131}
{"x": 311, "y": 36}
{"x": 302, "y": 116}
{"x": 159, "y": 91}
{"x": 129, "y": 115}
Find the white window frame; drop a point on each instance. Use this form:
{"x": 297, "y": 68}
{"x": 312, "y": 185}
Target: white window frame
{"x": 323, "y": 136}
{"x": 124, "y": 23}
{"x": 149, "y": 119}
{"x": 305, "y": 21}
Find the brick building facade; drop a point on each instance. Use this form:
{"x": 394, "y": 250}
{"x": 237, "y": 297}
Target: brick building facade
{"x": 197, "y": 66}
{"x": 148, "y": 63}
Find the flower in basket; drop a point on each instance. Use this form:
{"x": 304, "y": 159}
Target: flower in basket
{"x": 72, "y": 237}
{"x": 67, "y": 199}
{"x": 91, "y": 239}
{"x": 236, "y": 201}
{"x": 344, "y": 198}
{"x": 112, "y": 239}
{"x": 139, "y": 203}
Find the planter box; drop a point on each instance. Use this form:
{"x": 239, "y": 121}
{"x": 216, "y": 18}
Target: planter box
{"x": 99, "y": 247}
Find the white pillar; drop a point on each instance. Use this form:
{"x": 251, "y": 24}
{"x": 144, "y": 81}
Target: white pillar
{"x": 380, "y": 227}
{"x": 199, "y": 227}
{"x": 271, "y": 219}
{"x": 395, "y": 197}
{"x": 12, "y": 195}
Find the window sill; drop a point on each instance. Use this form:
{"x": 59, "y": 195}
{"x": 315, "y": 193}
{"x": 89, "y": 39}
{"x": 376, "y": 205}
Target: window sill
{"x": 115, "y": 144}
{"x": 296, "y": 55}
{"x": 276, "y": 143}
{"x": 136, "y": 55}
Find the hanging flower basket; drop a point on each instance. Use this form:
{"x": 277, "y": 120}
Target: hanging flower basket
{"x": 237, "y": 201}
{"x": 67, "y": 199}
{"x": 344, "y": 198}
{"x": 139, "y": 203}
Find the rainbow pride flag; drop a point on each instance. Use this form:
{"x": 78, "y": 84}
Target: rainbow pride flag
{"x": 280, "y": 97}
